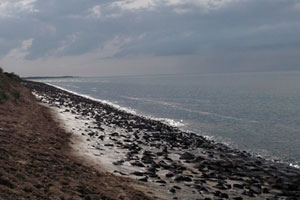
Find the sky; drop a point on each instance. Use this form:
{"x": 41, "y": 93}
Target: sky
{"x": 131, "y": 37}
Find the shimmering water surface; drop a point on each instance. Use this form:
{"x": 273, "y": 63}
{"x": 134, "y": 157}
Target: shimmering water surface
{"x": 258, "y": 112}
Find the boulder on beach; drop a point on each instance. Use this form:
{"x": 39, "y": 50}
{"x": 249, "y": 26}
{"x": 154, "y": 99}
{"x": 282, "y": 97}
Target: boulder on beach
{"x": 187, "y": 156}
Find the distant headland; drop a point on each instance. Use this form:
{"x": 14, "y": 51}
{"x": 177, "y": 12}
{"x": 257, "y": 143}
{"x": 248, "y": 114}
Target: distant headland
{"x": 48, "y": 77}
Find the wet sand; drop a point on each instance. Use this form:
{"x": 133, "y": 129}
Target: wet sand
{"x": 174, "y": 163}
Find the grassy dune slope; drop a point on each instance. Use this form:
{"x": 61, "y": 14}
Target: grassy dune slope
{"x": 8, "y": 82}
{"x": 35, "y": 159}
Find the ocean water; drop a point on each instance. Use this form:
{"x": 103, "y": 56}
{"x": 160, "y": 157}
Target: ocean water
{"x": 257, "y": 112}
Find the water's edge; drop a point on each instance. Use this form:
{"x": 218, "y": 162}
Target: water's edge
{"x": 176, "y": 124}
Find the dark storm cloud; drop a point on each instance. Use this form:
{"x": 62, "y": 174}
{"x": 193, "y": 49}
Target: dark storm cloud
{"x": 209, "y": 28}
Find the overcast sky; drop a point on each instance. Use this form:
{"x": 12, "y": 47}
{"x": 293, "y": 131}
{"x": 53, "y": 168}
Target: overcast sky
{"x": 128, "y": 37}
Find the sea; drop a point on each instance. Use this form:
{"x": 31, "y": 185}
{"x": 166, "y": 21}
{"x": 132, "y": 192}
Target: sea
{"x": 257, "y": 112}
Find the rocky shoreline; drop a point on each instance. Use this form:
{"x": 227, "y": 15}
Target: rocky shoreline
{"x": 36, "y": 158}
{"x": 181, "y": 165}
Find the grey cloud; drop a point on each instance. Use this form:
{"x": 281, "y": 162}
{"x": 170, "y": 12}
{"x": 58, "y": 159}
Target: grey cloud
{"x": 241, "y": 28}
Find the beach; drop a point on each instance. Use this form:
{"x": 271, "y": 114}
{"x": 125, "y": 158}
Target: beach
{"x": 150, "y": 100}
{"x": 173, "y": 163}
{"x": 36, "y": 160}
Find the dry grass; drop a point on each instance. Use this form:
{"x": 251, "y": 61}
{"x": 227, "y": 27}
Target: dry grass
{"x": 36, "y": 161}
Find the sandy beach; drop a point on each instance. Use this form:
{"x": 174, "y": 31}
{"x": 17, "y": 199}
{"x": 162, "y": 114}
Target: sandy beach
{"x": 172, "y": 163}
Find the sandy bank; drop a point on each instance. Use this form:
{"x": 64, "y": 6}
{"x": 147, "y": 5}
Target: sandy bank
{"x": 36, "y": 163}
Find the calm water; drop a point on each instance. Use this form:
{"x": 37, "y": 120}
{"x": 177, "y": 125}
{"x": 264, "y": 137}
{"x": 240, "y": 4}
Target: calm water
{"x": 258, "y": 112}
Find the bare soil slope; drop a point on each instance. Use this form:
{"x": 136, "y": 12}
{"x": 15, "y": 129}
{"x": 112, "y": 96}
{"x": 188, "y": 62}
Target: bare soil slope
{"x": 35, "y": 159}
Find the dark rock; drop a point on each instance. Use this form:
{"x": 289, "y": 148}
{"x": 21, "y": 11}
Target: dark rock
{"x": 169, "y": 175}
{"x": 152, "y": 169}
{"x": 221, "y": 194}
{"x": 159, "y": 153}
{"x": 101, "y": 137}
{"x": 91, "y": 134}
{"x": 224, "y": 195}
{"x": 163, "y": 164}
{"x": 238, "y": 198}
{"x": 165, "y": 150}
{"x": 115, "y": 171}
{"x": 238, "y": 186}
{"x": 27, "y": 189}
{"x": 228, "y": 186}
{"x": 176, "y": 187}
{"x": 114, "y": 134}
{"x": 148, "y": 153}
{"x": 144, "y": 179}
{"x": 266, "y": 190}
{"x": 154, "y": 165}
{"x": 199, "y": 158}
{"x": 249, "y": 193}
{"x": 120, "y": 162}
{"x": 147, "y": 159}
{"x": 138, "y": 173}
{"x": 255, "y": 189}
{"x": 181, "y": 168}
{"x": 161, "y": 181}
{"x": 152, "y": 175}
{"x": 137, "y": 163}
{"x": 100, "y": 128}
{"x": 221, "y": 186}
{"x": 6, "y": 183}
{"x": 172, "y": 190}
{"x": 183, "y": 178}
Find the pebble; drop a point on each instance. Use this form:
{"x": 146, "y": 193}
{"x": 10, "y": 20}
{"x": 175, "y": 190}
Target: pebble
{"x": 183, "y": 178}
{"x": 187, "y": 156}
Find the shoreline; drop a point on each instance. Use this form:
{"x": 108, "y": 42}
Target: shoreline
{"x": 183, "y": 164}
{"x": 179, "y": 125}
{"x": 36, "y": 160}
{"x": 80, "y": 151}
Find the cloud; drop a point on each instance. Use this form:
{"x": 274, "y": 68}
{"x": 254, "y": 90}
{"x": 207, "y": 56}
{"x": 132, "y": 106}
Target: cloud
{"x": 55, "y": 26}
{"x": 205, "y": 5}
{"x": 135, "y": 4}
{"x": 112, "y": 47}
{"x": 182, "y": 10}
{"x": 126, "y": 29}
{"x": 65, "y": 44}
{"x": 13, "y": 8}
{"x": 20, "y": 52}
{"x": 95, "y": 12}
